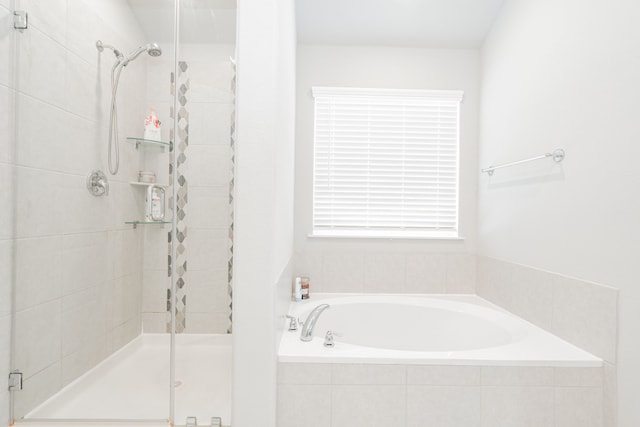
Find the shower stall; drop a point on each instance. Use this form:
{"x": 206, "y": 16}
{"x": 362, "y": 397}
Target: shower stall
{"x": 111, "y": 313}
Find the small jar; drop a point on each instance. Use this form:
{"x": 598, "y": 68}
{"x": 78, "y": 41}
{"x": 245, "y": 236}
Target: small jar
{"x": 305, "y": 287}
{"x": 147, "y": 177}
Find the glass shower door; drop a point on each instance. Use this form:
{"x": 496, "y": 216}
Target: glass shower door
{"x": 89, "y": 266}
{"x": 205, "y": 88}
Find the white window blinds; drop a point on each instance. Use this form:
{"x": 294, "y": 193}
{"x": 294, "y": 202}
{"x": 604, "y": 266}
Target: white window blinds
{"x": 386, "y": 162}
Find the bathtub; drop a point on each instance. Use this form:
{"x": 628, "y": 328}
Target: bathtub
{"x": 424, "y": 330}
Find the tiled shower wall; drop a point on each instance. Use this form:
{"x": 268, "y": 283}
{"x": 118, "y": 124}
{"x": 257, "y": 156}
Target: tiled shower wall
{"x": 207, "y": 78}
{"x": 77, "y": 266}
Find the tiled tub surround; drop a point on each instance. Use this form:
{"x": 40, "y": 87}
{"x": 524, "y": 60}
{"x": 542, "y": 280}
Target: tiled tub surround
{"x": 401, "y": 393}
{"x": 408, "y": 271}
{"x": 580, "y": 312}
{"x": 364, "y": 395}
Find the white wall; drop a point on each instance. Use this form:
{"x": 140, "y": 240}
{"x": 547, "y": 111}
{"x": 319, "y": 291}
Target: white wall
{"x": 379, "y": 265}
{"x": 565, "y": 74}
{"x": 263, "y": 211}
{"x": 77, "y": 266}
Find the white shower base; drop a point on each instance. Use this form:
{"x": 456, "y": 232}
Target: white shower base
{"x": 133, "y": 383}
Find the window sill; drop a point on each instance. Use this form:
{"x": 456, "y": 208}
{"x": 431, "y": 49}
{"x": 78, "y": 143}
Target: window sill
{"x": 383, "y": 235}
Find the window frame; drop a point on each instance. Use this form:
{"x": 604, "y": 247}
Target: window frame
{"x": 390, "y": 232}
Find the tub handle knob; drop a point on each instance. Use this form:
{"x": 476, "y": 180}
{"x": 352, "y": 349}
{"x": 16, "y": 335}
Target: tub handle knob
{"x": 293, "y": 323}
{"x": 328, "y": 339}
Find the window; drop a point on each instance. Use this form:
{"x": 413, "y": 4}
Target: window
{"x": 386, "y": 163}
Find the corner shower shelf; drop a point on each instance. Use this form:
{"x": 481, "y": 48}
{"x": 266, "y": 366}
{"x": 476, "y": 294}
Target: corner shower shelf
{"x": 137, "y": 223}
{"x": 148, "y": 142}
{"x": 146, "y": 184}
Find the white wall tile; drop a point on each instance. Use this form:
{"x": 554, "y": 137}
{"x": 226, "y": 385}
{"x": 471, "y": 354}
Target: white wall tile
{"x": 610, "y": 393}
{"x": 585, "y": 314}
{"x": 69, "y": 139}
{"x": 517, "y": 406}
{"x": 207, "y": 323}
{"x": 38, "y": 272}
{"x": 6, "y": 118}
{"x": 494, "y": 279}
{"x": 82, "y": 360}
{"x": 578, "y": 407}
{"x": 154, "y": 293}
{"x": 438, "y": 406}
{"x": 83, "y": 91}
{"x": 217, "y": 119}
{"x": 84, "y": 260}
{"x": 365, "y": 406}
{"x": 425, "y": 273}
{"x": 85, "y": 29}
{"x": 443, "y": 375}
{"x": 208, "y": 291}
{"x": 461, "y": 273}
{"x": 308, "y": 405}
{"x": 49, "y": 16}
{"x": 304, "y": 373}
{"x": 126, "y": 299}
{"x": 368, "y": 374}
{"x": 517, "y": 376}
{"x": 208, "y": 207}
{"x": 84, "y": 318}
{"x": 6, "y": 49}
{"x": 8, "y": 211}
{"x": 343, "y": 272}
{"x": 154, "y": 323}
{"x": 123, "y": 334}
{"x": 579, "y": 377}
{"x": 207, "y": 249}
{"x": 37, "y": 389}
{"x": 38, "y": 329}
{"x": 384, "y": 272}
{"x": 42, "y": 65}
{"x": 6, "y": 274}
{"x": 5, "y": 365}
{"x": 531, "y": 296}
{"x": 208, "y": 165}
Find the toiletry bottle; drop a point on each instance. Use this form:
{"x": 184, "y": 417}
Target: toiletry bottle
{"x": 297, "y": 290}
{"x": 305, "y": 287}
{"x": 152, "y": 129}
{"x": 155, "y": 203}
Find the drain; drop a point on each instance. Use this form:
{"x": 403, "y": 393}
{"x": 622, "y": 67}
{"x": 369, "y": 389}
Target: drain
{"x": 177, "y": 384}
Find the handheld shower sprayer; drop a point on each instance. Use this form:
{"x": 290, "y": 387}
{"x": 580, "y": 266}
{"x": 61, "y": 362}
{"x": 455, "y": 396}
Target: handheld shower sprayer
{"x": 153, "y": 49}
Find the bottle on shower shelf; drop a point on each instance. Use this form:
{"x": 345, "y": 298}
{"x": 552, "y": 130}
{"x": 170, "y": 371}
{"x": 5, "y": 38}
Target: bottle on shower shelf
{"x": 152, "y": 129}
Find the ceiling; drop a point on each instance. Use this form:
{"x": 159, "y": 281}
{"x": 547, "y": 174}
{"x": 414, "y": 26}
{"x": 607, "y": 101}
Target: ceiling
{"x": 201, "y": 21}
{"x": 411, "y": 23}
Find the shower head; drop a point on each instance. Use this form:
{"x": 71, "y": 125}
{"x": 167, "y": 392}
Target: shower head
{"x": 152, "y": 49}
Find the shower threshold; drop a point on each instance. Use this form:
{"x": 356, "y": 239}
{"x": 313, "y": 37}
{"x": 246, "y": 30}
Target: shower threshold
{"x": 133, "y": 384}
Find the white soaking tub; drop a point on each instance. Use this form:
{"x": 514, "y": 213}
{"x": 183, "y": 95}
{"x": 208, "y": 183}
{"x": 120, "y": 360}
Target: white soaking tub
{"x": 424, "y": 329}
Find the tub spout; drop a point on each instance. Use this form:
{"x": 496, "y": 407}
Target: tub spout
{"x": 307, "y": 328}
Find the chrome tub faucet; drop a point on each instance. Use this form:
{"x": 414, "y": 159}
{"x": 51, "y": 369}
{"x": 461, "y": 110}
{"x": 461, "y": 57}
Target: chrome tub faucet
{"x": 307, "y": 328}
